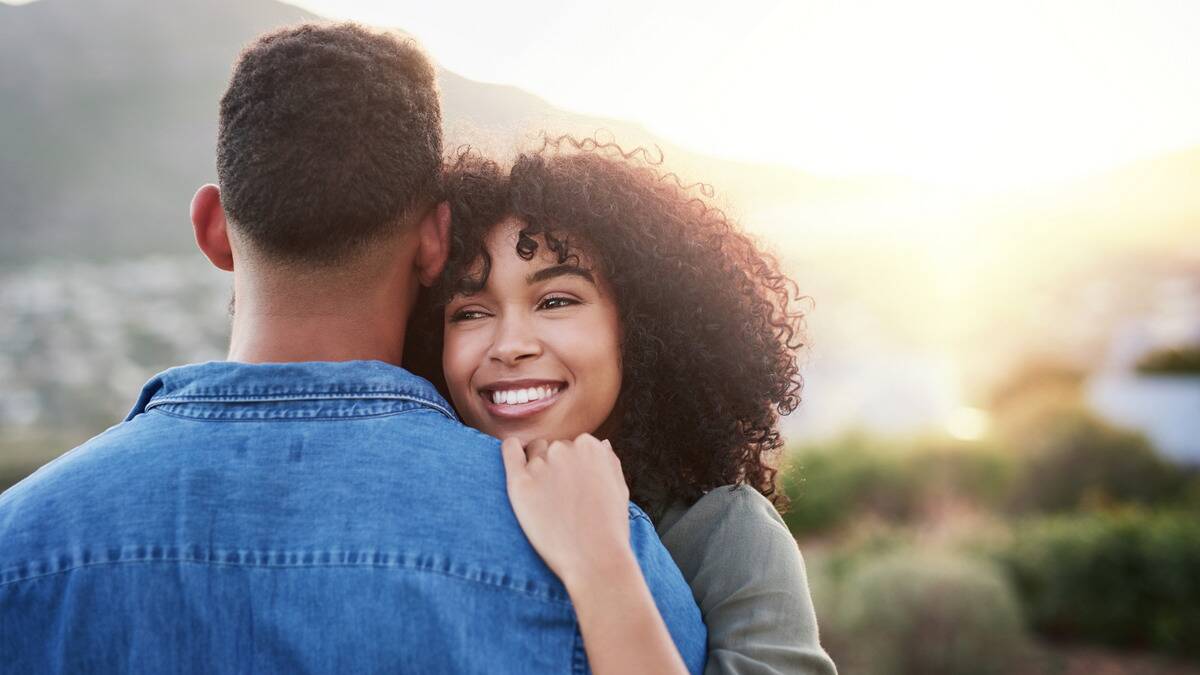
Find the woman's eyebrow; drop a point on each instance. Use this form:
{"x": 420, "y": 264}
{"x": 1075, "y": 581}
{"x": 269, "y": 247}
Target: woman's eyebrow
{"x": 558, "y": 271}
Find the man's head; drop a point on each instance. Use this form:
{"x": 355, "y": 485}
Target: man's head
{"x": 329, "y": 159}
{"x": 330, "y": 139}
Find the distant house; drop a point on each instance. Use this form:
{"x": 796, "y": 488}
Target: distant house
{"x": 1165, "y": 407}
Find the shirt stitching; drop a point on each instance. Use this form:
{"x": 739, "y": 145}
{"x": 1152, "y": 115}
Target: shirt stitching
{"x": 281, "y": 418}
{"x": 547, "y": 596}
{"x": 281, "y": 398}
{"x": 578, "y": 653}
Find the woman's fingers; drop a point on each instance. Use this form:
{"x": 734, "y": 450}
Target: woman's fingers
{"x": 536, "y": 448}
{"x": 519, "y": 460}
{"x": 514, "y": 457}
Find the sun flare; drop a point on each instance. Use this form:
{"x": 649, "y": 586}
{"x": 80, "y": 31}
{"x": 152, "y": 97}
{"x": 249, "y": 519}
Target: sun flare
{"x": 975, "y": 95}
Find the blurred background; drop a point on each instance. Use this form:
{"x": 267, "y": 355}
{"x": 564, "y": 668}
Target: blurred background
{"x": 994, "y": 207}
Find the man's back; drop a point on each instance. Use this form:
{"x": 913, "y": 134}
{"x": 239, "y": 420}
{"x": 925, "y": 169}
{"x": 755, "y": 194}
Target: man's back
{"x": 309, "y": 517}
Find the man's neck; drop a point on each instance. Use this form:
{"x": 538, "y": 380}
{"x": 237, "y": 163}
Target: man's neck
{"x": 280, "y": 321}
{"x": 263, "y": 339}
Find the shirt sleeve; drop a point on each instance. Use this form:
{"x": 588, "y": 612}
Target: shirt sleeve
{"x": 747, "y": 575}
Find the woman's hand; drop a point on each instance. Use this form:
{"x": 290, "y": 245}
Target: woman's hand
{"x": 571, "y": 500}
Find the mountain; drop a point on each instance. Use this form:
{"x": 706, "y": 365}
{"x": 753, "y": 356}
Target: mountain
{"x": 108, "y": 112}
{"x": 108, "y": 118}
{"x": 1147, "y": 206}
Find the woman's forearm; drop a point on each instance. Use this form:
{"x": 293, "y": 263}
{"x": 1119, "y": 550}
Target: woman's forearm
{"x": 623, "y": 632}
{"x": 572, "y": 502}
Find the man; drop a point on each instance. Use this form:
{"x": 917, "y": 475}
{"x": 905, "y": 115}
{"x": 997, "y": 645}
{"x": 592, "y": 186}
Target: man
{"x": 306, "y": 506}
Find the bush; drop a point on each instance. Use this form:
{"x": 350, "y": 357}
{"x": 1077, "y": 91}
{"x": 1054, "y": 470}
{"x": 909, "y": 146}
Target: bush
{"x": 831, "y": 485}
{"x": 1124, "y": 579}
{"x": 1178, "y": 361}
{"x": 927, "y": 614}
{"x": 1072, "y": 460}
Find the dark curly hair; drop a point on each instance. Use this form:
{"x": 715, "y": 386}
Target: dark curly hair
{"x": 329, "y": 135}
{"x": 711, "y": 326}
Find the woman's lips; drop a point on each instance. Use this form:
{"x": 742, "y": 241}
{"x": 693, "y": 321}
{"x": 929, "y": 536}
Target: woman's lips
{"x": 520, "y": 410}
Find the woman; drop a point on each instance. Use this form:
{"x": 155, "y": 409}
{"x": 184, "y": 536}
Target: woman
{"x": 589, "y": 297}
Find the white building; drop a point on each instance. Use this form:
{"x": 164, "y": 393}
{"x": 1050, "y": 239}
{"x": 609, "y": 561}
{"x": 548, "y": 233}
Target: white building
{"x": 1164, "y": 407}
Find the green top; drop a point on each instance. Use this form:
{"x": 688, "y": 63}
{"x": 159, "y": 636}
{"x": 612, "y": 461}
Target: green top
{"x": 748, "y": 577}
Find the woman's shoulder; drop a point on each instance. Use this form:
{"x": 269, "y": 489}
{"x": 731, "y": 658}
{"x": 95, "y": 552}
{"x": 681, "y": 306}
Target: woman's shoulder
{"x": 732, "y": 526}
{"x": 746, "y": 573}
{"x": 723, "y": 511}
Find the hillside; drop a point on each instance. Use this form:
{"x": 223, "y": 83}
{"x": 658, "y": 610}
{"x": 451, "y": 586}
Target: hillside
{"x": 108, "y": 119}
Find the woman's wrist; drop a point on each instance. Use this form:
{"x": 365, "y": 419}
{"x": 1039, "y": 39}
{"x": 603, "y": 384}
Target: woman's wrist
{"x": 601, "y": 570}
{"x": 623, "y": 631}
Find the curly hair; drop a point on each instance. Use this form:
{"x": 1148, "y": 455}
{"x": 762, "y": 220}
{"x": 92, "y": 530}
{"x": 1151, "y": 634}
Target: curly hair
{"x": 711, "y": 326}
{"x": 329, "y": 135}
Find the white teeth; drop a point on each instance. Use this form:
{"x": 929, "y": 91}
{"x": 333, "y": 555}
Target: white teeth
{"x": 518, "y": 396}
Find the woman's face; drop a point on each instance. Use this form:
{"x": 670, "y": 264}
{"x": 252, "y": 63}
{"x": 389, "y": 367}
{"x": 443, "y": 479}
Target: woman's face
{"x": 535, "y": 353}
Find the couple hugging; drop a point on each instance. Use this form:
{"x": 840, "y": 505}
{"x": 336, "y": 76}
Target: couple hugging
{"x": 334, "y": 497}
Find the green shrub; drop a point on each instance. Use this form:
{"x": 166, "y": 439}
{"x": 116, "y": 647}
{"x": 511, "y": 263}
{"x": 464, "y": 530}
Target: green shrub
{"x": 973, "y": 472}
{"x": 1124, "y": 579}
{"x": 927, "y": 614}
{"x": 829, "y": 485}
{"x": 1073, "y": 460}
{"x": 895, "y": 482}
{"x": 1178, "y": 361}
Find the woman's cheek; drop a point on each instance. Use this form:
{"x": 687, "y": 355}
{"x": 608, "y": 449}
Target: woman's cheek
{"x": 605, "y": 369}
{"x": 457, "y": 366}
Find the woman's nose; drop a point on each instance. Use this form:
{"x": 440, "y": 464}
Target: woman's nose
{"x": 515, "y": 341}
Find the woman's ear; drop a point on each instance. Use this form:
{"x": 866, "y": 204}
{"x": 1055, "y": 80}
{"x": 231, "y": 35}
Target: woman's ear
{"x": 434, "y": 245}
{"x": 211, "y": 227}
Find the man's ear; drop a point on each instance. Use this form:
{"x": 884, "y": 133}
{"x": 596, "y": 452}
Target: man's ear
{"x": 434, "y": 243}
{"x": 212, "y": 233}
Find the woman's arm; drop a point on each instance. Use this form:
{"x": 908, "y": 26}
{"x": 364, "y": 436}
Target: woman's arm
{"x": 572, "y": 502}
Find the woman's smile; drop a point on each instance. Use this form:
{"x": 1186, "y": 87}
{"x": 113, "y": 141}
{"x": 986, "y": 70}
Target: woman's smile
{"x": 521, "y": 398}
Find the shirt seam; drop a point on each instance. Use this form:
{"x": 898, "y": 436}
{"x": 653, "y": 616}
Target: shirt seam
{"x": 547, "y": 598}
{"x": 291, "y": 398}
{"x": 578, "y": 653}
{"x": 278, "y": 418}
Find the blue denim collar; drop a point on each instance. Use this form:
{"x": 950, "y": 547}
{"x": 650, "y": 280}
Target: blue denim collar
{"x": 233, "y": 382}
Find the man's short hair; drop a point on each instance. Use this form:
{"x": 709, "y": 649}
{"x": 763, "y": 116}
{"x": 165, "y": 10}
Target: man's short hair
{"x": 330, "y": 137}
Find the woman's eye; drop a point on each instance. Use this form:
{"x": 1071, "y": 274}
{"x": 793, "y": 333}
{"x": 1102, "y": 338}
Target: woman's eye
{"x": 466, "y": 315}
{"x": 557, "y": 302}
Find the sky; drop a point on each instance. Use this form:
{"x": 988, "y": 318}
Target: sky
{"x": 962, "y": 92}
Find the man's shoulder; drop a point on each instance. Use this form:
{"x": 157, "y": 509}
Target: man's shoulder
{"x": 419, "y": 484}
{"x": 54, "y": 497}
{"x": 52, "y": 474}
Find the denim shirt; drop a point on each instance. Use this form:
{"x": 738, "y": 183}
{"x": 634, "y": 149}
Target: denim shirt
{"x": 303, "y": 517}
